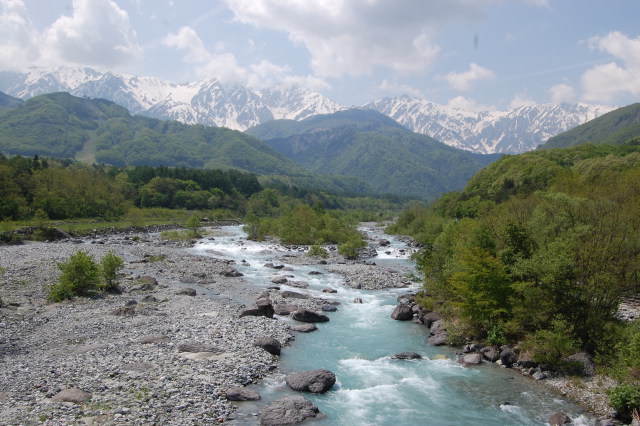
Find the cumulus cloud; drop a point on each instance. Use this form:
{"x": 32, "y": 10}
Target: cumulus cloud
{"x": 97, "y": 33}
{"x": 354, "y": 37}
{"x": 224, "y": 65}
{"x": 462, "y": 81}
{"x": 19, "y": 40}
{"x": 521, "y": 100}
{"x": 395, "y": 87}
{"x": 466, "y": 104}
{"x": 603, "y": 83}
{"x": 562, "y": 93}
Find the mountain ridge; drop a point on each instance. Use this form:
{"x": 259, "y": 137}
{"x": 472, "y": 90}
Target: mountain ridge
{"x": 210, "y": 102}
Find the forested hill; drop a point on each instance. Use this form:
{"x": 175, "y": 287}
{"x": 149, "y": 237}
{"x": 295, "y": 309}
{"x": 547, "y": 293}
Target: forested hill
{"x": 616, "y": 127}
{"x": 372, "y": 147}
{"x": 7, "y": 101}
{"x": 65, "y": 126}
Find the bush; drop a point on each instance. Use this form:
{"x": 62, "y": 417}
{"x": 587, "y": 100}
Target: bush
{"x": 110, "y": 264}
{"x": 193, "y": 227}
{"x": 625, "y": 398}
{"x": 318, "y": 250}
{"x": 80, "y": 276}
{"x": 551, "y": 346}
{"x": 351, "y": 248}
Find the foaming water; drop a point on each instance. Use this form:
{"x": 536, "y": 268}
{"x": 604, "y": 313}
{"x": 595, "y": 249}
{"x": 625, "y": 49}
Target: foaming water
{"x": 357, "y": 345}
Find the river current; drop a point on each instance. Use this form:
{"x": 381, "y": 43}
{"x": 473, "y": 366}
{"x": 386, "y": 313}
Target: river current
{"x": 358, "y": 342}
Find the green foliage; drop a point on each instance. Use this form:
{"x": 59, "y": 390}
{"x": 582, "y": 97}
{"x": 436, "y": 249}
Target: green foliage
{"x": 110, "y": 265}
{"x": 625, "y": 399}
{"x": 626, "y": 362}
{"x": 550, "y": 346}
{"x": 194, "y": 228}
{"x": 350, "y": 248}
{"x": 318, "y": 250}
{"x": 80, "y": 276}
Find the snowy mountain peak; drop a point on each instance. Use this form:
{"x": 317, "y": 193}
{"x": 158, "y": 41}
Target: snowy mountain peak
{"x": 210, "y": 102}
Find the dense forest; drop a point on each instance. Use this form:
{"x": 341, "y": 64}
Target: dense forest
{"x": 538, "y": 248}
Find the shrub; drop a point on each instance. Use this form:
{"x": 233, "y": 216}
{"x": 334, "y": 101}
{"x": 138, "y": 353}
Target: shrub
{"x": 193, "y": 227}
{"x": 625, "y": 398}
{"x": 110, "y": 265}
{"x": 551, "y": 346}
{"x": 80, "y": 275}
{"x": 351, "y": 248}
{"x": 318, "y": 250}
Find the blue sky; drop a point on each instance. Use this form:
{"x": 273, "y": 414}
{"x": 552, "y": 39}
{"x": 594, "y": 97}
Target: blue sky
{"x": 476, "y": 54}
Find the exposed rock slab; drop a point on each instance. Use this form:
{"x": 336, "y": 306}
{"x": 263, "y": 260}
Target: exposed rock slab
{"x": 314, "y": 381}
{"x": 289, "y": 410}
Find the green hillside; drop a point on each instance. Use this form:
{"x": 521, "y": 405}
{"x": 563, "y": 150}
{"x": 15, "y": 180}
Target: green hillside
{"x": 614, "y": 128}
{"x": 7, "y": 101}
{"x": 370, "y": 146}
{"x": 63, "y": 126}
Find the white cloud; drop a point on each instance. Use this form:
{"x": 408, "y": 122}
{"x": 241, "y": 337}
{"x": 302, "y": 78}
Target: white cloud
{"x": 562, "y": 93}
{"x": 98, "y": 33}
{"x": 462, "y": 81}
{"x": 603, "y": 83}
{"x": 521, "y": 100}
{"x": 19, "y": 40}
{"x": 394, "y": 87}
{"x": 466, "y": 104}
{"x": 354, "y": 37}
{"x": 225, "y": 67}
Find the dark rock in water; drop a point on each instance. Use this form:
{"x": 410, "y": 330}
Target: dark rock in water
{"x": 585, "y": 362}
{"x": 240, "y": 393}
{"x": 195, "y": 347}
{"x": 231, "y": 273}
{"x": 357, "y": 300}
{"x": 406, "y": 355}
{"x": 154, "y": 338}
{"x": 305, "y": 315}
{"x": 187, "y": 291}
{"x": 384, "y": 243}
{"x": 289, "y": 410}
{"x": 281, "y": 309}
{"x": 294, "y": 295}
{"x": 304, "y": 328}
{"x": 315, "y": 273}
{"x": 262, "y": 308}
{"x": 490, "y": 353}
{"x": 407, "y": 298}
{"x": 558, "y": 419}
{"x": 315, "y": 381}
{"x": 329, "y": 290}
{"x": 269, "y": 344}
{"x": 268, "y": 265}
{"x": 539, "y": 375}
{"x": 72, "y": 395}
{"x": 298, "y": 284}
{"x": 470, "y": 359}
{"x": 327, "y": 307}
{"x": 279, "y": 280}
{"x": 402, "y": 312}
{"x": 526, "y": 361}
{"x": 429, "y": 318}
{"x": 508, "y": 357}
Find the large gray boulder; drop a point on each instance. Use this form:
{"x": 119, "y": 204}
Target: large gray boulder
{"x": 289, "y": 410}
{"x": 557, "y": 419}
{"x": 305, "y": 315}
{"x": 402, "y": 312}
{"x": 406, "y": 355}
{"x": 508, "y": 357}
{"x": 438, "y": 334}
{"x": 490, "y": 353}
{"x": 470, "y": 359}
{"x": 315, "y": 381}
{"x": 269, "y": 344}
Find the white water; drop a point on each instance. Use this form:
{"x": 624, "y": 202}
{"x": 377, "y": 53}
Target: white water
{"x": 357, "y": 344}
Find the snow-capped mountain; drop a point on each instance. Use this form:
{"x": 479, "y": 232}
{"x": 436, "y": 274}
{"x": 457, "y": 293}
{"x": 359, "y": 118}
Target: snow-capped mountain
{"x": 514, "y": 131}
{"x": 210, "y": 102}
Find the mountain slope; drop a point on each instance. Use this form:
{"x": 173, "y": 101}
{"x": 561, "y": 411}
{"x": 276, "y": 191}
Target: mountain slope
{"x": 614, "y": 128}
{"x": 515, "y": 131}
{"x": 7, "y": 101}
{"x": 370, "y": 146}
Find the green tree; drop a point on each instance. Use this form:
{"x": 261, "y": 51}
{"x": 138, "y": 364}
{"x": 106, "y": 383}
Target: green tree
{"x": 193, "y": 227}
{"x": 80, "y": 276}
{"x": 110, "y": 265}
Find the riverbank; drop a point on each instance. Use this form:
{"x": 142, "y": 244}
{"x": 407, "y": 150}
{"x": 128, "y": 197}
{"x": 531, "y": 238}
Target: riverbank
{"x": 128, "y": 351}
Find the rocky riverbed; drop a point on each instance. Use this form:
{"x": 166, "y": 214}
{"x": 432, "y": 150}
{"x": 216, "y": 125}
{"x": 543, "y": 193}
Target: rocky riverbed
{"x": 148, "y": 355}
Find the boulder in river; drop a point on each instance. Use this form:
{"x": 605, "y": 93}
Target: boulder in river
{"x": 284, "y": 309}
{"x": 490, "y": 353}
{"x": 438, "y": 334}
{"x": 470, "y": 359}
{"x": 315, "y": 381}
{"x": 402, "y": 312}
{"x": 357, "y": 300}
{"x": 304, "y": 328}
{"x": 269, "y": 344}
{"x": 290, "y": 410}
{"x": 406, "y": 355}
{"x": 328, "y": 307}
{"x": 294, "y": 295}
{"x": 306, "y": 315}
{"x": 508, "y": 357}
{"x": 557, "y": 419}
